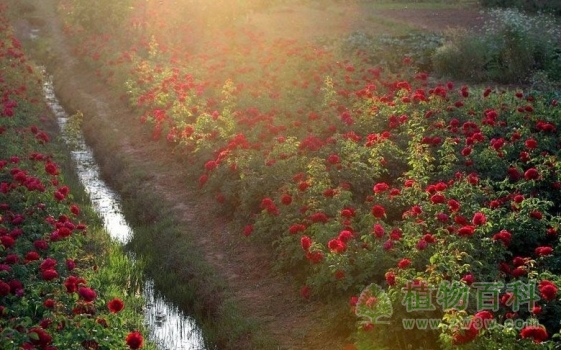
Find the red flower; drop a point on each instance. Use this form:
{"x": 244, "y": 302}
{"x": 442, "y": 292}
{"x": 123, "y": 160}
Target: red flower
{"x": 378, "y": 211}
{"x": 464, "y": 336}
{"x": 536, "y": 215}
{"x": 302, "y": 186}
{"x": 305, "y": 292}
{"x": 339, "y": 274}
{"x": 466, "y": 231}
{"x": 32, "y": 256}
{"x": 4, "y": 289}
{"x": 504, "y": 236}
{"x": 531, "y": 143}
{"x": 51, "y": 168}
{"x": 38, "y": 336}
{"x": 286, "y": 199}
{"x": 404, "y": 263}
{"x": 202, "y": 180}
{"x": 483, "y": 315}
{"x": 542, "y": 251}
{"x": 49, "y": 275}
{"x": 294, "y": 229}
{"x": 519, "y": 271}
{"x": 380, "y": 187}
{"x": 336, "y": 245}
{"x": 7, "y": 241}
{"x": 315, "y": 256}
{"x": 87, "y": 294}
{"x": 115, "y": 305}
{"x": 134, "y": 340}
{"x": 345, "y": 236}
{"x": 347, "y": 213}
{"x": 378, "y": 230}
{"x": 442, "y": 217}
{"x": 248, "y": 230}
{"x": 210, "y": 165}
{"x": 531, "y": 174}
{"x": 453, "y": 205}
{"x": 319, "y": 217}
{"x": 390, "y": 278}
{"x": 47, "y": 264}
{"x": 41, "y": 244}
{"x": 333, "y": 159}
{"x": 519, "y": 261}
{"x": 306, "y": 242}
{"x": 479, "y": 219}
{"x": 548, "y": 290}
{"x": 538, "y": 333}
{"x": 438, "y": 198}
{"x": 75, "y": 209}
{"x": 468, "y": 279}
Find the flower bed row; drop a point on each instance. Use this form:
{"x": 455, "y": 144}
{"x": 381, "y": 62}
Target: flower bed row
{"x": 53, "y": 295}
{"x": 357, "y": 176}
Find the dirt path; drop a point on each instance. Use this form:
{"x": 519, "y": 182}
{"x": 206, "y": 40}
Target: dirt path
{"x": 338, "y": 20}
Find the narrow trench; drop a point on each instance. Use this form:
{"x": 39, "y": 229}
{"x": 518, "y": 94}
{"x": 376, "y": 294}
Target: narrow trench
{"x": 170, "y": 328}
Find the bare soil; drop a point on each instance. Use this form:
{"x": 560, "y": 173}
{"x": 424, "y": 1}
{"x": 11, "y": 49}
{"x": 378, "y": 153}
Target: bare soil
{"x": 337, "y": 20}
{"x": 270, "y": 298}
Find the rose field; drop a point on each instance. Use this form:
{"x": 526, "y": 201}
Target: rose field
{"x": 360, "y": 166}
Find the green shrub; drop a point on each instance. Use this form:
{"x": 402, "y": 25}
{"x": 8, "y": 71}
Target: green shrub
{"x": 551, "y": 6}
{"x": 510, "y": 48}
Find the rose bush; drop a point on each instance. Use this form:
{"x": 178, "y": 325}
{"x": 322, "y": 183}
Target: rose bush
{"x": 53, "y": 295}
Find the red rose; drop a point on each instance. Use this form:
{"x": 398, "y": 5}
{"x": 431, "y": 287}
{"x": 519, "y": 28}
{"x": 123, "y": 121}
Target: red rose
{"x": 531, "y": 143}
{"x": 531, "y": 174}
{"x": 548, "y": 290}
{"x": 286, "y": 199}
{"x": 49, "y": 275}
{"x": 478, "y": 219}
{"x": 87, "y": 294}
{"x": 51, "y": 168}
{"x": 306, "y": 242}
{"x": 390, "y": 278}
{"x": 4, "y": 288}
{"x": 542, "y": 251}
{"x": 40, "y": 337}
{"x": 468, "y": 279}
{"x": 380, "y": 187}
{"x": 378, "y": 211}
{"x": 378, "y": 230}
{"x": 437, "y": 198}
{"x": 538, "y": 333}
{"x": 336, "y": 245}
{"x": 115, "y": 305}
{"x": 134, "y": 340}
{"x": 404, "y": 263}
{"x": 248, "y": 230}
{"x": 466, "y": 231}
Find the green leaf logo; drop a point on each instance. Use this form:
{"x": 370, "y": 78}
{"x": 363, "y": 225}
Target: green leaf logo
{"x": 375, "y": 305}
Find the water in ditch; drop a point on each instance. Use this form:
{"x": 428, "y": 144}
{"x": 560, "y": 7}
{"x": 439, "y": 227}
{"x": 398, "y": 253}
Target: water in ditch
{"x": 170, "y": 328}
